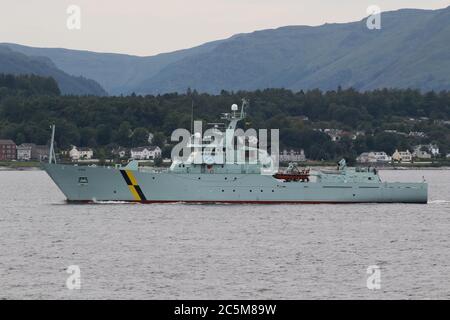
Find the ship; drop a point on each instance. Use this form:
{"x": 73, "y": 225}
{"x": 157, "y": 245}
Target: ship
{"x": 227, "y": 183}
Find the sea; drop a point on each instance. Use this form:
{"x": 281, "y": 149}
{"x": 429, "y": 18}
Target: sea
{"x": 53, "y": 250}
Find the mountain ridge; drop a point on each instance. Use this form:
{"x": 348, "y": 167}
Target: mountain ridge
{"x": 410, "y": 51}
{"x": 16, "y": 63}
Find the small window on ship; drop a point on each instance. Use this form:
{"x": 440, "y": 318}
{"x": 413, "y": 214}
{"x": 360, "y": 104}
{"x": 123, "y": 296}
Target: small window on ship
{"x": 82, "y": 180}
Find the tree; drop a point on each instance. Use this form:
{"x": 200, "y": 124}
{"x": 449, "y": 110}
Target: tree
{"x": 123, "y": 135}
{"x": 140, "y": 137}
{"x": 159, "y": 139}
{"x": 104, "y": 134}
{"x": 30, "y": 104}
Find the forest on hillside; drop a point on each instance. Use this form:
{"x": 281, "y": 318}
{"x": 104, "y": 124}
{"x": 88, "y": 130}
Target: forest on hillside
{"x": 30, "y": 104}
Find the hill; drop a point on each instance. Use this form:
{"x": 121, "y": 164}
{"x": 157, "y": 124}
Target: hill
{"x": 410, "y": 51}
{"x": 117, "y": 73}
{"x": 12, "y": 62}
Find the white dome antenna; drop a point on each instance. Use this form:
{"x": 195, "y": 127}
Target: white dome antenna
{"x": 234, "y": 107}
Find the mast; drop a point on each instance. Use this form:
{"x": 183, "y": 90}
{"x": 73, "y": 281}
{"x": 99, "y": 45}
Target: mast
{"x": 244, "y": 103}
{"x": 51, "y": 154}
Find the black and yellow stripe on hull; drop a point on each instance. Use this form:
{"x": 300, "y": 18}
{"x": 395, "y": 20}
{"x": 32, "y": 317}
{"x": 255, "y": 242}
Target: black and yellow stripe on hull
{"x": 134, "y": 187}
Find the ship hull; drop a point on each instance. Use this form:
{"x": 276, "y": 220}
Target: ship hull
{"x": 91, "y": 184}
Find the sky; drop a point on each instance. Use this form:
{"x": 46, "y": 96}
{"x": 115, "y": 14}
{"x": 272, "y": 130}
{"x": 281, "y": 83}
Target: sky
{"x": 148, "y": 27}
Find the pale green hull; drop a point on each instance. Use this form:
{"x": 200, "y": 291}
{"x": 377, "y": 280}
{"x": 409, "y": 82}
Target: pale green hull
{"x": 86, "y": 184}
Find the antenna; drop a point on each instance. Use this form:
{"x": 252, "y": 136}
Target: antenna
{"x": 244, "y": 103}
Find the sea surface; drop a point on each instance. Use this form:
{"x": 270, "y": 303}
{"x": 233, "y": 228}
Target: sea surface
{"x": 181, "y": 251}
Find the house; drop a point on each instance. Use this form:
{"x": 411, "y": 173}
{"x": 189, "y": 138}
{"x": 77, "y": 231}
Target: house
{"x": 31, "y": 151}
{"x": 433, "y": 150}
{"x": 402, "y": 156}
{"x": 373, "y": 157}
{"x": 364, "y": 157}
{"x": 381, "y": 156}
{"x": 334, "y": 134}
{"x": 7, "y": 150}
{"x": 421, "y": 154}
{"x": 338, "y": 134}
{"x": 417, "y": 134}
{"x": 292, "y": 156}
{"x": 145, "y": 153}
{"x": 80, "y": 153}
{"x": 40, "y": 153}
{"x": 24, "y": 151}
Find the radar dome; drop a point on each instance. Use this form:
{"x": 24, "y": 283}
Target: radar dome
{"x": 234, "y": 107}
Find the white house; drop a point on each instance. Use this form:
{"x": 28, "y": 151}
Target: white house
{"x": 24, "y": 151}
{"x": 145, "y": 153}
{"x": 402, "y": 156}
{"x": 433, "y": 149}
{"x": 374, "y": 157}
{"x": 81, "y": 153}
{"x": 381, "y": 156}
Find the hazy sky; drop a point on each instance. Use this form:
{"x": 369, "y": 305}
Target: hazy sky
{"x": 147, "y": 27}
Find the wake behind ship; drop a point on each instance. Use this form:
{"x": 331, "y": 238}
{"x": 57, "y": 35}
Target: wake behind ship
{"x": 210, "y": 182}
